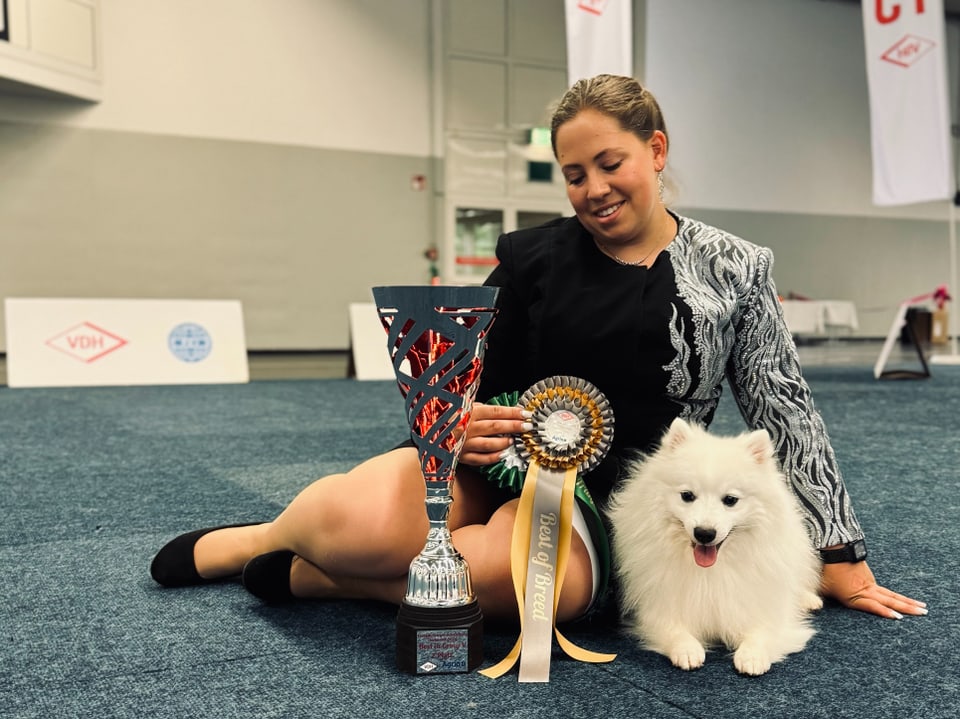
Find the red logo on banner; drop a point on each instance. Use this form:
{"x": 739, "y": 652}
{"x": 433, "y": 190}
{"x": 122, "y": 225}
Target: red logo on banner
{"x": 595, "y": 6}
{"x": 86, "y": 342}
{"x": 907, "y": 50}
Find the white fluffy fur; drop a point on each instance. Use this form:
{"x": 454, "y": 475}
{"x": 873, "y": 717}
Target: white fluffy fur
{"x": 755, "y": 598}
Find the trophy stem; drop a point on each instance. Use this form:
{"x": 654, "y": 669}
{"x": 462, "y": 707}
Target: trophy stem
{"x": 439, "y": 576}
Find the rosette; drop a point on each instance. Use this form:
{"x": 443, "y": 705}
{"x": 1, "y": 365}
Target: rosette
{"x": 572, "y": 427}
{"x": 572, "y": 424}
{"x": 571, "y": 432}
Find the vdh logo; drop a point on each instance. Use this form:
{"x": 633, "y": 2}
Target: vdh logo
{"x": 86, "y": 342}
{"x": 907, "y": 50}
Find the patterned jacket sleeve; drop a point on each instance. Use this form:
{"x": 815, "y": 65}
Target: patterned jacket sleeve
{"x": 764, "y": 375}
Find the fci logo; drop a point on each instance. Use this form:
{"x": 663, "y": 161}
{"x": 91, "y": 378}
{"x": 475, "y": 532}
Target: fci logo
{"x": 86, "y": 342}
{"x": 907, "y": 50}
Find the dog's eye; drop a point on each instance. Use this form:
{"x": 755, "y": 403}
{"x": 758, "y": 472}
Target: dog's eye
{"x": 730, "y": 500}
{"x": 687, "y": 496}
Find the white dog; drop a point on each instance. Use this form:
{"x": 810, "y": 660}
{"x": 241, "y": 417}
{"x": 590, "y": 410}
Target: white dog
{"x": 710, "y": 548}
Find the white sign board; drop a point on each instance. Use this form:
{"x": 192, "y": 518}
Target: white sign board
{"x": 899, "y": 320}
{"x": 80, "y": 342}
{"x": 368, "y": 343}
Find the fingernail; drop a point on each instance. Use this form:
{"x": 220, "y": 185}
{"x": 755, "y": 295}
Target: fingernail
{"x": 526, "y": 426}
{"x": 922, "y": 611}
{"x": 895, "y": 615}
{"x": 527, "y": 414}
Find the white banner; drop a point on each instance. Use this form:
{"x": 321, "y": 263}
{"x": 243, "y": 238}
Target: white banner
{"x": 909, "y": 106}
{"x": 599, "y": 38}
{"x": 54, "y": 342}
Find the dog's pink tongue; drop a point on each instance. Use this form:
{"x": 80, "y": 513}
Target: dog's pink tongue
{"x": 705, "y": 556}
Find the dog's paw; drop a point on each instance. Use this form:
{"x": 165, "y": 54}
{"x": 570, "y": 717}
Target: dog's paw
{"x": 811, "y": 602}
{"x": 688, "y": 654}
{"x": 752, "y": 660}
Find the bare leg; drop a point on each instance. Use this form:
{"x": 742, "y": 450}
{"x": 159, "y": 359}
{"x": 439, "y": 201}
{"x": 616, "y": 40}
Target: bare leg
{"x": 355, "y": 535}
{"x": 224, "y": 552}
{"x": 369, "y": 522}
{"x": 486, "y": 547}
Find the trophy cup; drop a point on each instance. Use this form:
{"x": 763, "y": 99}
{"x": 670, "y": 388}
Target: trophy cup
{"x": 436, "y": 338}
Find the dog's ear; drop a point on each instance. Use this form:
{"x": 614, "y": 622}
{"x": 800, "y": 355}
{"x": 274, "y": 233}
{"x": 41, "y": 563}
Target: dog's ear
{"x": 760, "y": 446}
{"x": 678, "y": 433}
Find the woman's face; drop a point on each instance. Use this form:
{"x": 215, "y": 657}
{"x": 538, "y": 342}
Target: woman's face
{"x": 611, "y": 176}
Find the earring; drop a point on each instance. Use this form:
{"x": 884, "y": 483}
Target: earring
{"x": 660, "y": 185}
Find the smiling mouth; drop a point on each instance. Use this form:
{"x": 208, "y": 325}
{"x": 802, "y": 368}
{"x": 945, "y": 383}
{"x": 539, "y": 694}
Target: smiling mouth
{"x": 607, "y": 211}
{"x": 705, "y": 555}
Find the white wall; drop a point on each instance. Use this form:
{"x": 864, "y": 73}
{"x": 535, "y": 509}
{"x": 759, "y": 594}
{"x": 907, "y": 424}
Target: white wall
{"x": 766, "y": 103}
{"x": 259, "y": 150}
{"x": 343, "y": 74}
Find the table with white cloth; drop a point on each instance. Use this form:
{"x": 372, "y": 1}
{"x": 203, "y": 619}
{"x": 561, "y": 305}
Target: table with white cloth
{"x": 824, "y": 318}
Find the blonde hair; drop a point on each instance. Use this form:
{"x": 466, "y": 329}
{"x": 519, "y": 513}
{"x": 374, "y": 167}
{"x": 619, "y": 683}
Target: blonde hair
{"x": 622, "y": 98}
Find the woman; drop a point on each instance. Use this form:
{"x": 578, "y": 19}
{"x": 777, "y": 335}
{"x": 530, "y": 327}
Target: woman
{"x": 653, "y": 308}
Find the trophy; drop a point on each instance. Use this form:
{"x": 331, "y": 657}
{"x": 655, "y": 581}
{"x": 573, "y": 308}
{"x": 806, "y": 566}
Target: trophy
{"x": 436, "y": 338}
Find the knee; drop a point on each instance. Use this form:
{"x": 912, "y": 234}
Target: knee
{"x": 495, "y": 592}
{"x": 493, "y": 583}
{"x": 577, "y": 591}
{"x": 487, "y": 552}
{"x": 384, "y": 529}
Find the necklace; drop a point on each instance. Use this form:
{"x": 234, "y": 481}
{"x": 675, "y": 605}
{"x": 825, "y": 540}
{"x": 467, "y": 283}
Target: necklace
{"x": 613, "y": 255}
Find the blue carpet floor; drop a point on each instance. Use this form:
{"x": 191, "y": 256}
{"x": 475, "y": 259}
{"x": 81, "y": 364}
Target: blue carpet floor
{"x": 94, "y": 481}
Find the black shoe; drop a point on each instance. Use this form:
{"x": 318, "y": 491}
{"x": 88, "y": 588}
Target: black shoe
{"x": 267, "y": 576}
{"x": 174, "y": 566}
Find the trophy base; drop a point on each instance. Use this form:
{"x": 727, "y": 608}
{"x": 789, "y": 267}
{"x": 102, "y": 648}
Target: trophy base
{"x": 439, "y": 640}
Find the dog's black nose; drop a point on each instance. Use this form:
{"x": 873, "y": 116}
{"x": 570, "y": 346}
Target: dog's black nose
{"x": 704, "y": 536}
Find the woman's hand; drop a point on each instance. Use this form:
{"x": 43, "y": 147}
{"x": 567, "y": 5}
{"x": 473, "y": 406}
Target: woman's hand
{"x": 489, "y": 430}
{"x": 853, "y": 585}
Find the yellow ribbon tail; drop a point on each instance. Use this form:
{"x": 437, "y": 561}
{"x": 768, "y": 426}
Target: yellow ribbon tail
{"x": 505, "y": 664}
{"x": 581, "y": 654}
{"x": 566, "y": 527}
{"x": 519, "y": 544}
